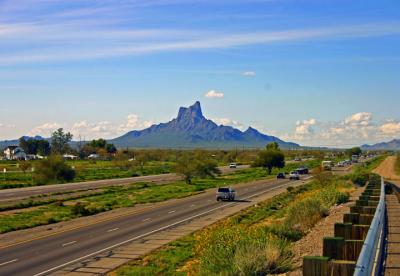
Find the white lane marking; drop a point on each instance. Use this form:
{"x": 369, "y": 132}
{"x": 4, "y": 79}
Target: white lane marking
{"x": 146, "y": 219}
{"x": 152, "y": 232}
{"x": 68, "y": 243}
{"x": 192, "y": 205}
{"x": 9, "y": 262}
{"x": 112, "y": 230}
{"x": 170, "y": 212}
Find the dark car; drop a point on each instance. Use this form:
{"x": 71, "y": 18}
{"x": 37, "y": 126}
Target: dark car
{"x": 226, "y": 193}
{"x": 303, "y": 170}
{"x": 280, "y": 176}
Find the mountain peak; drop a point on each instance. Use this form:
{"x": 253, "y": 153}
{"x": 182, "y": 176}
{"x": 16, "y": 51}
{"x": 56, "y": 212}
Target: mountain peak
{"x": 192, "y": 113}
{"x": 251, "y": 130}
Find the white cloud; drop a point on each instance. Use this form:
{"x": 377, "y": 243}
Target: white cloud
{"x": 304, "y": 129}
{"x": 134, "y": 122}
{"x": 45, "y": 129}
{"x": 249, "y": 74}
{"x": 214, "y": 94}
{"x": 229, "y": 122}
{"x": 358, "y": 119}
{"x": 391, "y": 128}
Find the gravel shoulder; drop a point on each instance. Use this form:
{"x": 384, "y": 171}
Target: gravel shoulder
{"x": 387, "y": 169}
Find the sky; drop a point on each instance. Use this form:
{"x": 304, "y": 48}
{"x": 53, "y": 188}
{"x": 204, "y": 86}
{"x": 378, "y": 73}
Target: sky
{"x": 315, "y": 72}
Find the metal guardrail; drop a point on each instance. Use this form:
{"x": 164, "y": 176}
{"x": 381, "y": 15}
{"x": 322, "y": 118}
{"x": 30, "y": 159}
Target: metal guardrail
{"x": 370, "y": 259}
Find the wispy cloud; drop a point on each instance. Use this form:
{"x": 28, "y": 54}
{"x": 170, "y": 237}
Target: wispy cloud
{"x": 81, "y": 38}
{"x": 214, "y": 94}
{"x": 249, "y": 74}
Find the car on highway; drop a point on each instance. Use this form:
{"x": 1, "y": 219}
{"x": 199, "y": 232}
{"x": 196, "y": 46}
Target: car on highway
{"x": 232, "y": 165}
{"x": 302, "y": 170}
{"x": 281, "y": 175}
{"x": 294, "y": 175}
{"x": 226, "y": 193}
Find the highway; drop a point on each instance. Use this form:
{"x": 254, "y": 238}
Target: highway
{"x": 44, "y": 255}
{"x": 21, "y": 193}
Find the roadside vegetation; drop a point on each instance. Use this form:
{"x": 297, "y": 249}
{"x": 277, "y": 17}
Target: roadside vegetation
{"x": 362, "y": 172}
{"x": 256, "y": 241}
{"x": 397, "y": 164}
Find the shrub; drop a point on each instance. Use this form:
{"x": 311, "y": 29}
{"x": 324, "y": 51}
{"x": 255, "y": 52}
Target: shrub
{"x": 54, "y": 170}
{"x": 242, "y": 251}
{"x": 360, "y": 178}
{"x": 79, "y": 209}
{"x": 303, "y": 214}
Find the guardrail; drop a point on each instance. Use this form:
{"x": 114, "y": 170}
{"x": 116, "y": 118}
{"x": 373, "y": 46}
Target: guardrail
{"x": 357, "y": 246}
{"x": 370, "y": 260}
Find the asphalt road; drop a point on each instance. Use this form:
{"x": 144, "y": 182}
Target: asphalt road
{"x": 44, "y": 255}
{"x": 21, "y": 193}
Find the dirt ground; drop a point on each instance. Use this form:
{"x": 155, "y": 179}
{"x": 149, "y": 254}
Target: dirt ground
{"x": 386, "y": 169}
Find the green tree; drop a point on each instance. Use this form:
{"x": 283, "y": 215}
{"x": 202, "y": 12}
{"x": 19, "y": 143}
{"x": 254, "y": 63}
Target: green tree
{"x": 60, "y": 141}
{"x": 53, "y": 170}
{"x": 354, "y": 151}
{"x": 24, "y": 166}
{"x": 35, "y": 146}
{"x": 190, "y": 166}
{"x": 271, "y": 157}
{"x": 272, "y": 146}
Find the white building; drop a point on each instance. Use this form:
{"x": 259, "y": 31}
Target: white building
{"x": 14, "y": 153}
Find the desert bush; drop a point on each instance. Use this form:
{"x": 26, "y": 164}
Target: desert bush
{"x": 53, "y": 170}
{"x": 303, "y": 214}
{"x": 360, "y": 178}
{"x": 242, "y": 251}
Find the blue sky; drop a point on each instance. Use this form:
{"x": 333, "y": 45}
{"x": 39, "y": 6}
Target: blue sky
{"x": 310, "y": 71}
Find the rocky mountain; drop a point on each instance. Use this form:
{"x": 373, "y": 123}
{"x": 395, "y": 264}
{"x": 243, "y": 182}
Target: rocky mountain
{"x": 190, "y": 129}
{"x": 391, "y": 145}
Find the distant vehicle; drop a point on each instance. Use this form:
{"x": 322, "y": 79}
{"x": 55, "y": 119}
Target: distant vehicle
{"x": 297, "y": 159}
{"x": 280, "y": 176}
{"x": 340, "y": 164}
{"x": 226, "y": 194}
{"x": 94, "y": 156}
{"x": 302, "y": 170}
{"x": 327, "y": 165}
{"x": 354, "y": 158}
{"x": 233, "y": 165}
{"x": 294, "y": 175}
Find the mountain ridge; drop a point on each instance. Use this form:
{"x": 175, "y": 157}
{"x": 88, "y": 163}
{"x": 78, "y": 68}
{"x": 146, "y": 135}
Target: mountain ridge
{"x": 190, "y": 129}
{"x": 390, "y": 145}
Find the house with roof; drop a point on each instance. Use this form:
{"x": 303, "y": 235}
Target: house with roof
{"x": 14, "y": 153}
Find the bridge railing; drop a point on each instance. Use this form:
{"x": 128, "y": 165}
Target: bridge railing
{"x": 370, "y": 259}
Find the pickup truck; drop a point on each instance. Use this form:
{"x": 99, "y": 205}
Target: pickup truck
{"x": 226, "y": 194}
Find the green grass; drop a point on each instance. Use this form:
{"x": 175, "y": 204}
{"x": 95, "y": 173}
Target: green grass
{"x": 86, "y": 171}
